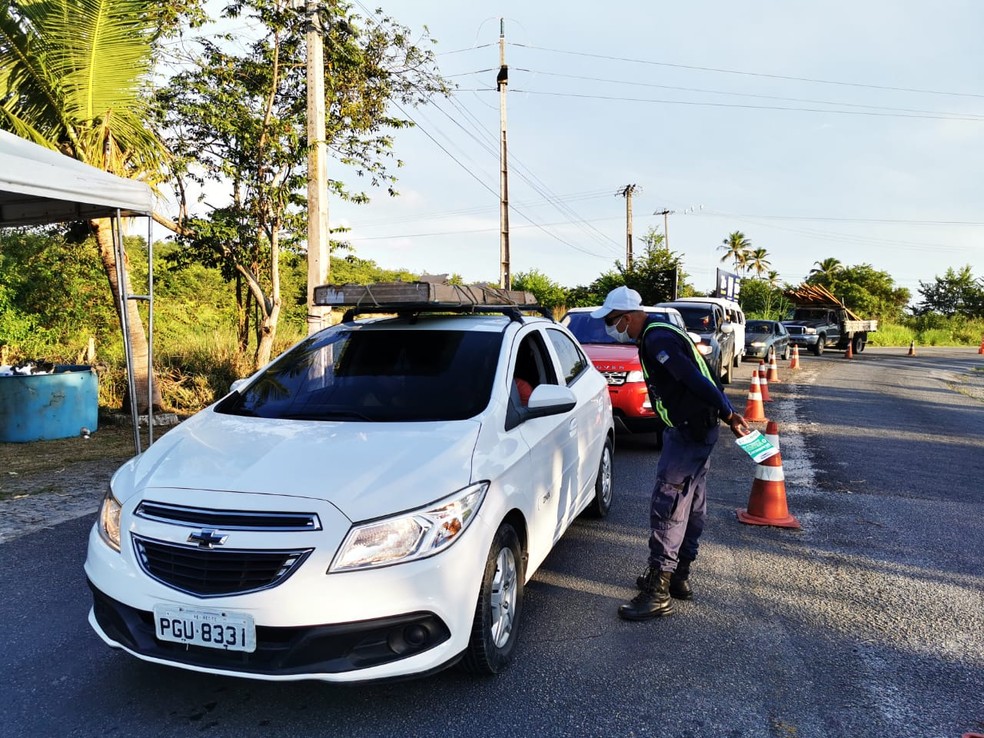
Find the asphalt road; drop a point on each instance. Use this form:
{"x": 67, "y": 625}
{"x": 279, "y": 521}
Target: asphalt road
{"x": 867, "y": 623}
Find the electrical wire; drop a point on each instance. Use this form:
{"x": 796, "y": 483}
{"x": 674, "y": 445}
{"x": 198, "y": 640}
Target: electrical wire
{"x": 750, "y": 74}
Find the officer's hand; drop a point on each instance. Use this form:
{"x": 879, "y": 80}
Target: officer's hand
{"x": 738, "y": 425}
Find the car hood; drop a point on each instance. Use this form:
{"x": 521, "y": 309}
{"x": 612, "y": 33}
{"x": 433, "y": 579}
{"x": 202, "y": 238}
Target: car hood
{"x": 805, "y": 323}
{"x": 613, "y": 357}
{"x": 366, "y": 470}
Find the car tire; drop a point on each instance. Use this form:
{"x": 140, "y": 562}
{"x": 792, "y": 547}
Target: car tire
{"x": 818, "y": 346}
{"x": 604, "y": 490}
{"x": 785, "y": 353}
{"x": 726, "y": 377}
{"x": 495, "y": 627}
{"x": 859, "y": 342}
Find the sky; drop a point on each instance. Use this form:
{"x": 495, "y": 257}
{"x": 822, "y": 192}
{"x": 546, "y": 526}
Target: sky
{"x": 851, "y": 130}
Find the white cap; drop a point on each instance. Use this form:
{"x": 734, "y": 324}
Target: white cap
{"x": 620, "y": 298}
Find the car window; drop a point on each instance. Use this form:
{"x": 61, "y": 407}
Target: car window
{"x": 572, "y": 360}
{"x": 758, "y": 326}
{"x": 697, "y": 318}
{"x": 376, "y": 375}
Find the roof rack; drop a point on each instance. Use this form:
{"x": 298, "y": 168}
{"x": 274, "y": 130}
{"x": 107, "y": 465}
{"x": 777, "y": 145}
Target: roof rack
{"x": 431, "y": 297}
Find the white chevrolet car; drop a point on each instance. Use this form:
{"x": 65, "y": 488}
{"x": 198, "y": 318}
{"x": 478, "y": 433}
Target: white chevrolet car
{"x": 368, "y": 506}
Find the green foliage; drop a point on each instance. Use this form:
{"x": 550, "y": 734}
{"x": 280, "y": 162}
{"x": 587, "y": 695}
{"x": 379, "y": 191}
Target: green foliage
{"x": 738, "y": 248}
{"x": 657, "y": 273}
{"x": 50, "y": 282}
{"x": 891, "y": 334}
{"x": 955, "y": 293}
{"x": 548, "y": 293}
{"x": 867, "y": 291}
{"x": 73, "y": 80}
{"x": 758, "y": 299}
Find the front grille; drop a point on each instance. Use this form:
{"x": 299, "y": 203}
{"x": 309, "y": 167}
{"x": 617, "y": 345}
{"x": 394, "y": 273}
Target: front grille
{"x": 615, "y": 378}
{"x": 795, "y": 330}
{"x": 215, "y": 572}
{"x": 163, "y": 512}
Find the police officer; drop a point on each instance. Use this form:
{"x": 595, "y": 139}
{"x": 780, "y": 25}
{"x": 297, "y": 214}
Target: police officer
{"x": 691, "y": 403}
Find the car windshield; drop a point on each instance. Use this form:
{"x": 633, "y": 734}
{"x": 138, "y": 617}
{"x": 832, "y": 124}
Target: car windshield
{"x": 698, "y": 319}
{"x": 758, "y": 326}
{"x": 375, "y": 374}
{"x": 592, "y": 330}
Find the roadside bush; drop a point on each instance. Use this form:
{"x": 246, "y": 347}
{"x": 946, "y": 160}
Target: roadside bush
{"x": 891, "y": 334}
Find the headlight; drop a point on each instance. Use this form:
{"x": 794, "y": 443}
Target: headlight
{"x": 705, "y": 349}
{"x": 758, "y": 344}
{"x": 635, "y": 376}
{"x": 412, "y": 535}
{"x": 811, "y": 331}
{"x": 109, "y": 520}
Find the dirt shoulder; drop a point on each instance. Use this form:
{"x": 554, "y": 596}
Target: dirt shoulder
{"x": 45, "y": 483}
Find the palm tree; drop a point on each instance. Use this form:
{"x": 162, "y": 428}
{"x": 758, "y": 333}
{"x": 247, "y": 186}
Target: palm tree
{"x": 827, "y": 268}
{"x": 72, "y": 78}
{"x": 772, "y": 279}
{"x": 757, "y": 261}
{"x": 737, "y": 248}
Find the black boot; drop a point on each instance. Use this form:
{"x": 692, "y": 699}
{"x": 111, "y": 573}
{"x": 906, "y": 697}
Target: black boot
{"x": 653, "y": 601}
{"x": 679, "y": 586}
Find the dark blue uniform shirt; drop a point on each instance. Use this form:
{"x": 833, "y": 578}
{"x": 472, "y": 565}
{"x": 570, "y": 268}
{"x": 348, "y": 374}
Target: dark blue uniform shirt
{"x": 691, "y": 399}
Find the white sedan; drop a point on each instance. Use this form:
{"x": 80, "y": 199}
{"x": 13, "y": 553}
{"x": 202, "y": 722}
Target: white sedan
{"x": 368, "y": 506}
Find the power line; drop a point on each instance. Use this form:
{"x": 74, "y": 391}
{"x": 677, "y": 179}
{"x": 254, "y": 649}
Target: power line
{"x": 750, "y": 107}
{"x": 753, "y": 74}
{"x": 739, "y": 94}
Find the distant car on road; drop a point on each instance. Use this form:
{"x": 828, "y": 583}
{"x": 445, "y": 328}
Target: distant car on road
{"x": 707, "y": 319}
{"x": 763, "y": 336}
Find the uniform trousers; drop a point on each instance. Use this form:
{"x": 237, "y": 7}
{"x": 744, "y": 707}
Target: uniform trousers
{"x": 679, "y": 502}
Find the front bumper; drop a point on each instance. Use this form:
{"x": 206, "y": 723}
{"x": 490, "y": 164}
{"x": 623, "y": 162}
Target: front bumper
{"x": 404, "y": 620}
{"x": 285, "y": 653}
{"x": 803, "y": 340}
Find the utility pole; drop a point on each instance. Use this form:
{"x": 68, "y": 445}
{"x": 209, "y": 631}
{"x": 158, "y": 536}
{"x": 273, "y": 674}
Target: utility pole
{"x": 627, "y": 194}
{"x": 317, "y": 192}
{"x": 666, "y": 225}
{"x": 501, "y": 83}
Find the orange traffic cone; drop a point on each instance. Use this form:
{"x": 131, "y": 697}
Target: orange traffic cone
{"x": 763, "y": 372}
{"x": 912, "y": 348}
{"x": 772, "y": 433}
{"x": 767, "y": 501}
{"x": 849, "y": 354}
{"x": 794, "y": 363}
{"x": 773, "y": 375}
{"x": 754, "y": 409}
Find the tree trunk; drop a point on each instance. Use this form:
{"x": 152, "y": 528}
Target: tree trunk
{"x": 135, "y": 329}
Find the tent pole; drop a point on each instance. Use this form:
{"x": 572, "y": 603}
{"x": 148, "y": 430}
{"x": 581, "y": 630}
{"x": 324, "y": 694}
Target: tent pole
{"x": 124, "y": 299}
{"x": 150, "y": 332}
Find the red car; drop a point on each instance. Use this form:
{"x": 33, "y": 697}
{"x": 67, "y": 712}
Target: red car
{"x": 619, "y": 362}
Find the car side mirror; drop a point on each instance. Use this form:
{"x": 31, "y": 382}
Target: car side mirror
{"x": 727, "y": 327}
{"x": 236, "y": 384}
{"x": 550, "y": 399}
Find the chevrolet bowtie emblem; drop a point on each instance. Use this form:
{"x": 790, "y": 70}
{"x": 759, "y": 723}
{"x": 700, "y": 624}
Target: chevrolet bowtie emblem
{"x": 206, "y": 538}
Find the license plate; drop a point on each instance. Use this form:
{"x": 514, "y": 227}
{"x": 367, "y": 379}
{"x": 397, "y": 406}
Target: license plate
{"x": 229, "y": 631}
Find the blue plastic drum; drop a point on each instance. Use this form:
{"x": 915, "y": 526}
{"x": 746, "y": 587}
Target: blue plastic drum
{"x": 36, "y": 407}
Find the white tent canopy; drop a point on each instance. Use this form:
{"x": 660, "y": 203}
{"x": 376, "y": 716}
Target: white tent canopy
{"x": 38, "y": 185}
